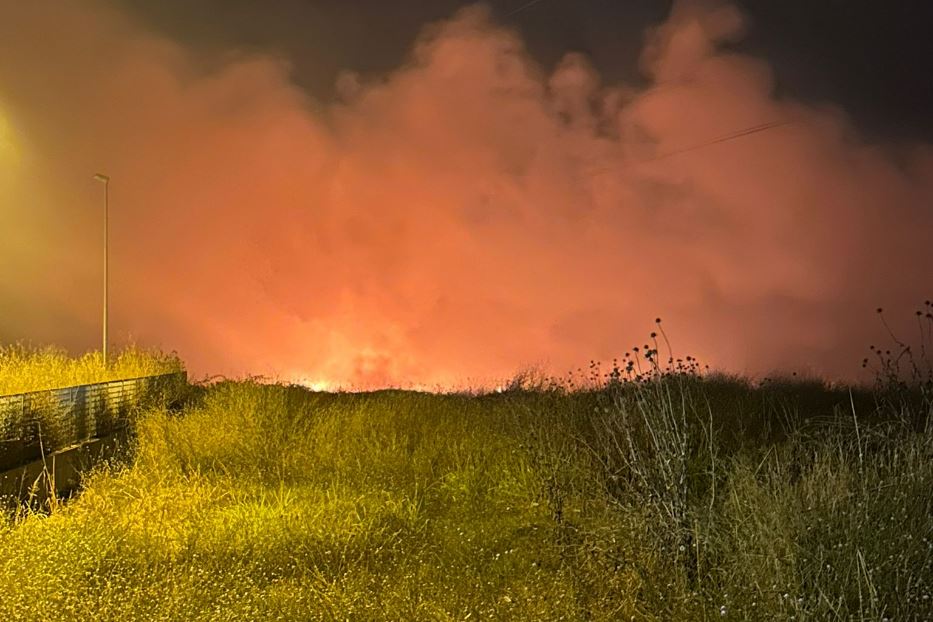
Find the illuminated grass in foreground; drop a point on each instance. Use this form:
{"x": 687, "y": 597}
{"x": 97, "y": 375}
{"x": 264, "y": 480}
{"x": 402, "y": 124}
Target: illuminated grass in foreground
{"x": 24, "y": 369}
{"x": 676, "y": 499}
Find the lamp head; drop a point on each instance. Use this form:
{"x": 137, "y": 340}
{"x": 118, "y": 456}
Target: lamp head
{"x": 101, "y": 177}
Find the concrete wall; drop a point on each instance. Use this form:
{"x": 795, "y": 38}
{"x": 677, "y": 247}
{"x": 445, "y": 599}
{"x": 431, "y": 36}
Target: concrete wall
{"x": 49, "y": 438}
{"x": 59, "y": 471}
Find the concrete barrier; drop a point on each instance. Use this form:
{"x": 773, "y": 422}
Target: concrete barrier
{"x": 48, "y": 438}
{"x": 60, "y": 470}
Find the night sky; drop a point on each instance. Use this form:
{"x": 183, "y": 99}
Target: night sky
{"x": 442, "y": 193}
{"x": 873, "y": 58}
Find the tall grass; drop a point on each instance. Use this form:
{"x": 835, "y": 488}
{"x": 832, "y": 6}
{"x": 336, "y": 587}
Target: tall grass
{"x": 24, "y": 369}
{"x": 646, "y": 493}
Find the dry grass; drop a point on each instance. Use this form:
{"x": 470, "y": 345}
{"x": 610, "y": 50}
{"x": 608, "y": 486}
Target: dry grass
{"x": 641, "y": 494}
{"x": 24, "y": 369}
{"x": 631, "y": 501}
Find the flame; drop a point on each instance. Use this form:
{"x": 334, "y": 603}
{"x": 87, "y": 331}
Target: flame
{"x": 318, "y": 384}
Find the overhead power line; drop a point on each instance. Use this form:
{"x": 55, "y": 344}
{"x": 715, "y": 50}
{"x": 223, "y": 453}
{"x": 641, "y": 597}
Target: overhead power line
{"x": 761, "y": 127}
{"x": 527, "y": 5}
{"x": 721, "y": 139}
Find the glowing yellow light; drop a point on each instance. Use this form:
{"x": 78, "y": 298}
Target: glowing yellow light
{"x": 8, "y": 149}
{"x": 314, "y": 385}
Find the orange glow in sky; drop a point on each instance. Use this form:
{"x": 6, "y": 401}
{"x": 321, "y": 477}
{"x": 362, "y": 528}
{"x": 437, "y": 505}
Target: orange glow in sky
{"x": 450, "y": 222}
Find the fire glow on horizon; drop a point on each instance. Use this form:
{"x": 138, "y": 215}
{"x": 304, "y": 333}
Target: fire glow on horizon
{"x": 465, "y": 216}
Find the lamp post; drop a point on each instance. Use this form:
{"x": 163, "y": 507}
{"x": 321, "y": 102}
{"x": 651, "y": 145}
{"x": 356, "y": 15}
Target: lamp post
{"x": 106, "y": 181}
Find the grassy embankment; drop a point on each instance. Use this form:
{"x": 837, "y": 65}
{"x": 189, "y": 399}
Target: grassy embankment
{"x": 679, "y": 497}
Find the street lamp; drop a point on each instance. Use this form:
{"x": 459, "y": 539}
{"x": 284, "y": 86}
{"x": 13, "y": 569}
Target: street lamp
{"x": 106, "y": 181}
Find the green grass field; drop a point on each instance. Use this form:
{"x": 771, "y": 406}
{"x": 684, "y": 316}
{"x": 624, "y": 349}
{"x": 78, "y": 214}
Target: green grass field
{"x": 678, "y": 498}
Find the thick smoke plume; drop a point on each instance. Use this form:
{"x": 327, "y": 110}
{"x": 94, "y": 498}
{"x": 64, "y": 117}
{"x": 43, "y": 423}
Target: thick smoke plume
{"x": 464, "y": 216}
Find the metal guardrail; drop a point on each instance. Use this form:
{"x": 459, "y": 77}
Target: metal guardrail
{"x": 43, "y": 421}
